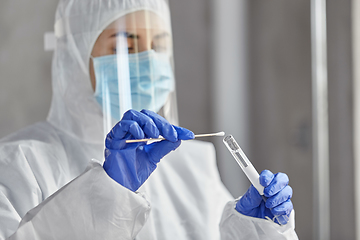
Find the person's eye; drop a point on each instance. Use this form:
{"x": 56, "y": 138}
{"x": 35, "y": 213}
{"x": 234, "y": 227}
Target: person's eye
{"x": 130, "y": 50}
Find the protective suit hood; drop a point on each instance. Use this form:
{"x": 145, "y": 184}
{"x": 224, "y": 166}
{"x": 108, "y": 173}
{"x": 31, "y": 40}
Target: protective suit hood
{"x": 78, "y": 24}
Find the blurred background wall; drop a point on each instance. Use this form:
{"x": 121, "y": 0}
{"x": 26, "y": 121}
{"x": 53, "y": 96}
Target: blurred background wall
{"x": 25, "y": 68}
{"x": 241, "y": 66}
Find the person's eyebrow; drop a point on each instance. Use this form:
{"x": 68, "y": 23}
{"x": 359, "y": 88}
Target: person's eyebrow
{"x": 125, "y": 34}
{"x": 161, "y": 35}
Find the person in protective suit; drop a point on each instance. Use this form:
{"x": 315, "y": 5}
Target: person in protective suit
{"x": 74, "y": 176}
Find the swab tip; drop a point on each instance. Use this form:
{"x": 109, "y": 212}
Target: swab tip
{"x": 220, "y": 134}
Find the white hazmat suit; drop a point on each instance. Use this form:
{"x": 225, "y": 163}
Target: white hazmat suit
{"x": 50, "y": 188}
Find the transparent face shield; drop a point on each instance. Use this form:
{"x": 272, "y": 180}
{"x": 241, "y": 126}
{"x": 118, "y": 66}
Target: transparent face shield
{"x": 132, "y": 67}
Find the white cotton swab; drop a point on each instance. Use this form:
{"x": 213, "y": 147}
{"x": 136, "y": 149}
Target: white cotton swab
{"x": 219, "y": 134}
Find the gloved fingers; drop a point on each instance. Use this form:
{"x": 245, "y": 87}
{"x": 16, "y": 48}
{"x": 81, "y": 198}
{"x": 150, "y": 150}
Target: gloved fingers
{"x": 122, "y": 130}
{"x": 283, "y": 209}
{"x": 279, "y": 198}
{"x": 266, "y": 177}
{"x": 280, "y": 181}
{"x": 250, "y": 200}
{"x": 165, "y": 128}
{"x": 158, "y": 150}
{"x": 146, "y": 123}
{"x": 183, "y": 133}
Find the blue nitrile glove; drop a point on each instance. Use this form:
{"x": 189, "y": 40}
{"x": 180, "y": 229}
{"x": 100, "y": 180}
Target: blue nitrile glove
{"x": 278, "y": 194}
{"x": 130, "y": 164}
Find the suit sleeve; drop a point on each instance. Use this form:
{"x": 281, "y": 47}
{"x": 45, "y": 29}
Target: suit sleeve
{"x": 235, "y": 225}
{"x": 92, "y": 206}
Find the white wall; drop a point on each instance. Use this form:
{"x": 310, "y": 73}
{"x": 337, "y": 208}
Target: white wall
{"x": 25, "y": 74}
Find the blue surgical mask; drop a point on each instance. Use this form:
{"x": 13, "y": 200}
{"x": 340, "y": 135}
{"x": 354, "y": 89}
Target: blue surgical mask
{"x": 151, "y": 81}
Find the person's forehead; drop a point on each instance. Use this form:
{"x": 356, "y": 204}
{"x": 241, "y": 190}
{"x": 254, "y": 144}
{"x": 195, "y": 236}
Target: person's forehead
{"x": 139, "y": 19}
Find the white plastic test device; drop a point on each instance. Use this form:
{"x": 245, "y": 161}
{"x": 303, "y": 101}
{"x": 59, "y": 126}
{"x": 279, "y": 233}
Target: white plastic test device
{"x": 249, "y": 170}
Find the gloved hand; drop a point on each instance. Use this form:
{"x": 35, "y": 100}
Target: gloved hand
{"x": 278, "y": 194}
{"x": 130, "y": 164}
